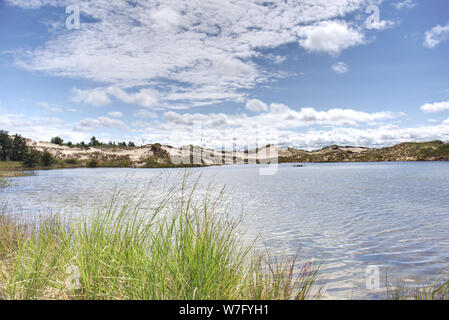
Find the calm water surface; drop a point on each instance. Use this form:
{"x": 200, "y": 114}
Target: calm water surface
{"x": 346, "y": 216}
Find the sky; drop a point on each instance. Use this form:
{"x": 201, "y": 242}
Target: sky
{"x": 303, "y": 74}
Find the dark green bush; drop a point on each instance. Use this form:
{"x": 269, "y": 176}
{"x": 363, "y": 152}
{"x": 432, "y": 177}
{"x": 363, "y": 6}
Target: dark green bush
{"x": 93, "y": 163}
{"x": 32, "y": 158}
{"x": 71, "y": 161}
{"x": 47, "y": 159}
{"x": 57, "y": 140}
{"x": 12, "y": 148}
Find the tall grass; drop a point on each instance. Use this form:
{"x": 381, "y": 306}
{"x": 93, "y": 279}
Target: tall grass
{"x": 434, "y": 292}
{"x": 185, "y": 247}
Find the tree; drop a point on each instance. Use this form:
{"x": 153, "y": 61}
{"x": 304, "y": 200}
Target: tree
{"x": 57, "y": 140}
{"x": 94, "y": 142}
{"x": 122, "y": 144}
{"x": 18, "y": 148}
{"x": 47, "y": 159}
{"x": 31, "y": 158}
{"x": 131, "y": 144}
{"x": 5, "y": 145}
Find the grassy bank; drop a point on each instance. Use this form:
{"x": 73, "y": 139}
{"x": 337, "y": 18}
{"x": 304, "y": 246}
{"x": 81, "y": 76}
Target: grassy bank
{"x": 184, "y": 248}
{"x": 10, "y": 169}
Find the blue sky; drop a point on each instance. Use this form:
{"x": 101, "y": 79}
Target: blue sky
{"x": 302, "y": 74}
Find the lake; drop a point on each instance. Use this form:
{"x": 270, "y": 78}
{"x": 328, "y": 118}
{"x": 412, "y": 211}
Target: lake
{"x": 347, "y": 216}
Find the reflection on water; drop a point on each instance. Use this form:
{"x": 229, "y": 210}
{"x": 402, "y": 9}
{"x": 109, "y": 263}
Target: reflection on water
{"x": 347, "y": 216}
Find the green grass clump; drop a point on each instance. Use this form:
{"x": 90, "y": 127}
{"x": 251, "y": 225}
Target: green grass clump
{"x": 185, "y": 247}
{"x": 435, "y": 292}
{"x": 71, "y": 161}
{"x": 4, "y": 183}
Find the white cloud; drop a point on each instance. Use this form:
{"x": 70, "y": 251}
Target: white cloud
{"x": 279, "y": 116}
{"x": 144, "y": 97}
{"x": 181, "y": 47}
{"x": 311, "y": 138}
{"x": 102, "y": 96}
{"x": 435, "y": 107}
{"x": 384, "y": 24}
{"x": 340, "y": 67}
{"x": 88, "y": 124}
{"x": 93, "y": 97}
{"x": 436, "y": 35}
{"x": 408, "y": 4}
{"x": 330, "y": 37}
{"x": 115, "y": 114}
{"x": 145, "y": 114}
{"x": 38, "y": 128}
{"x": 143, "y": 124}
{"x": 165, "y": 19}
{"x": 256, "y": 105}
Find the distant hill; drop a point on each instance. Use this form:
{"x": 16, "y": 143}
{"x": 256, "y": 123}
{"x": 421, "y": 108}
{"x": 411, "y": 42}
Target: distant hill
{"x": 410, "y": 151}
{"x": 156, "y": 155}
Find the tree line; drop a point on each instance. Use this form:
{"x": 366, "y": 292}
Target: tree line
{"x": 14, "y": 148}
{"x": 92, "y": 143}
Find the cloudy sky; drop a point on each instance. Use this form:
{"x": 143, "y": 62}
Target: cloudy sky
{"x": 303, "y": 74}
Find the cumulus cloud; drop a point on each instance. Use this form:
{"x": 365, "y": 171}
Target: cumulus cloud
{"x": 181, "y": 47}
{"x": 340, "y": 67}
{"x": 145, "y": 114}
{"x": 89, "y": 124}
{"x": 436, "y": 35}
{"x": 279, "y": 116}
{"x": 310, "y": 138}
{"x": 102, "y": 96}
{"x": 39, "y": 128}
{"x": 435, "y": 107}
{"x": 256, "y": 105}
{"x": 330, "y": 37}
{"x": 93, "y": 97}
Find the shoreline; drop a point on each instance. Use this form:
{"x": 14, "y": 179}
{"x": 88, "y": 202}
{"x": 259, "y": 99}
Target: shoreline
{"x": 24, "y": 171}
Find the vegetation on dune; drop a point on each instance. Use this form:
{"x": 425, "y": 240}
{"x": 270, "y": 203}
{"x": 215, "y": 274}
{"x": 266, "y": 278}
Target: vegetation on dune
{"x": 12, "y": 148}
{"x": 418, "y": 151}
{"x": 15, "y": 149}
{"x": 94, "y": 142}
{"x": 185, "y": 248}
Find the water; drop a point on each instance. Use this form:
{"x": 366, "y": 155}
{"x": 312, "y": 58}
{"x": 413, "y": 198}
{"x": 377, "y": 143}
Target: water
{"x": 346, "y": 216}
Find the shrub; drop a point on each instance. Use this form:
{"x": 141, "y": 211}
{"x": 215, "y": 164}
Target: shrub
{"x": 12, "y": 148}
{"x": 18, "y": 148}
{"x": 71, "y": 161}
{"x": 57, "y": 140}
{"x": 94, "y": 142}
{"x": 47, "y": 159}
{"x": 93, "y": 163}
{"x": 32, "y": 158}
{"x": 5, "y": 145}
